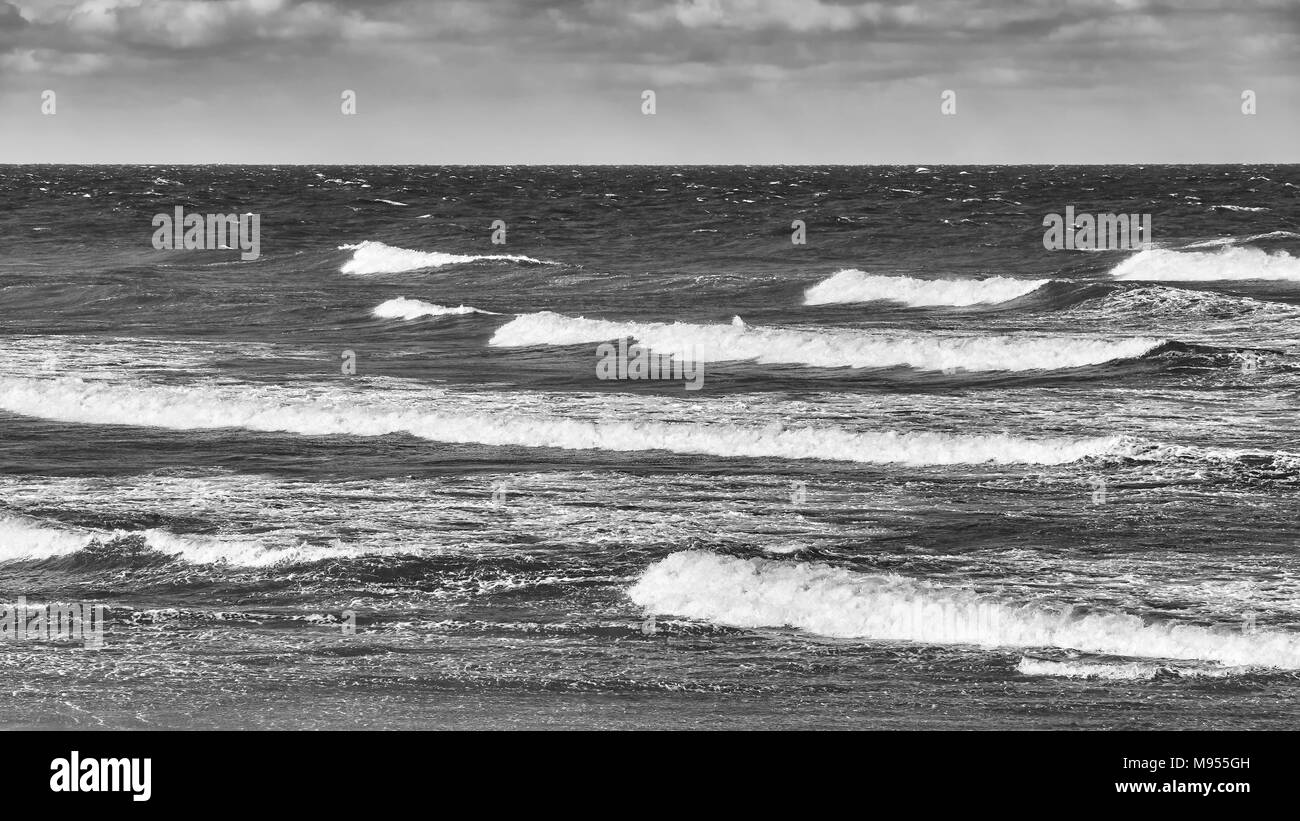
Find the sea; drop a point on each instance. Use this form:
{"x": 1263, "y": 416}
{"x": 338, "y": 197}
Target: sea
{"x": 907, "y": 466}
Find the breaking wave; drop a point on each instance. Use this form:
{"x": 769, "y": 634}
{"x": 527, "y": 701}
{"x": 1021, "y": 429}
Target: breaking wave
{"x": 205, "y": 408}
{"x": 835, "y": 602}
{"x": 1228, "y": 263}
{"x": 829, "y": 348}
{"x": 370, "y": 257}
{"x": 23, "y": 538}
{"x": 856, "y": 286}
{"x": 403, "y": 308}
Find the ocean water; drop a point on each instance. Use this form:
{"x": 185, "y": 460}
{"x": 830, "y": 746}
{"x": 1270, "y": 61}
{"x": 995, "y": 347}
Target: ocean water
{"x": 933, "y": 475}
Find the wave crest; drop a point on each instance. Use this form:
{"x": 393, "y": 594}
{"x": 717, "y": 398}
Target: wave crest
{"x": 206, "y": 408}
{"x": 828, "y": 348}
{"x": 403, "y": 308}
{"x": 1229, "y": 263}
{"x": 857, "y": 286}
{"x": 371, "y": 257}
{"x": 835, "y": 602}
{"x": 26, "y": 539}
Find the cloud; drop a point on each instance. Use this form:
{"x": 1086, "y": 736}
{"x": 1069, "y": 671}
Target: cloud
{"x": 729, "y": 43}
{"x": 40, "y": 61}
{"x": 795, "y": 15}
{"x": 11, "y": 17}
{"x": 182, "y": 25}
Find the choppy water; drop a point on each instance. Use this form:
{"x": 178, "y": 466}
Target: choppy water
{"x": 934, "y": 475}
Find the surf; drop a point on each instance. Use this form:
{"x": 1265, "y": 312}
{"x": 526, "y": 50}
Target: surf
{"x": 840, "y": 603}
{"x": 408, "y": 309}
{"x": 210, "y": 407}
{"x": 370, "y": 257}
{"x": 24, "y": 538}
{"x": 1231, "y": 262}
{"x": 1143, "y": 301}
{"x": 852, "y": 285}
{"x": 830, "y": 348}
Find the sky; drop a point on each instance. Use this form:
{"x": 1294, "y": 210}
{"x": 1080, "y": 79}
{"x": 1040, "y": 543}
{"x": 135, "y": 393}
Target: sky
{"x": 735, "y": 81}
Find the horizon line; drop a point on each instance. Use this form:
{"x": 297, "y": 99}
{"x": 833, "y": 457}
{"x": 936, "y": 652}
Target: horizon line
{"x": 654, "y": 165}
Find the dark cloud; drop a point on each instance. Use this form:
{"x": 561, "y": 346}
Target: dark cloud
{"x": 11, "y": 17}
{"x": 866, "y": 39}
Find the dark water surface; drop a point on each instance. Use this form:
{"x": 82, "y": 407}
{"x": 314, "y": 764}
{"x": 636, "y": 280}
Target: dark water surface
{"x": 1065, "y": 497}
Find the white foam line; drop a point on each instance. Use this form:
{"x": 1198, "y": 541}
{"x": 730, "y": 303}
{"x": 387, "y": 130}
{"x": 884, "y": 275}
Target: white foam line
{"x": 370, "y": 257}
{"x": 857, "y": 286}
{"x": 1227, "y": 264}
{"x": 829, "y": 348}
{"x": 209, "y": 407}
{"x": 836, "y": 602}
{"x": 408, "y": 309}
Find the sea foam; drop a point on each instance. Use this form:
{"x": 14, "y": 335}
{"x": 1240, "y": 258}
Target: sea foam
{"x": 271, "y": 409}
{"x": 832, "y": 601}
{"x": 23, "y": 538}
{"x": 370, "y": 257}
{"x": 403, "y": 308}
{"x": 1228, "y": 263}
{"x": 1124, "y": 670}
{"x": 829, "y": 348}
{"x": 857, "y": 286}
